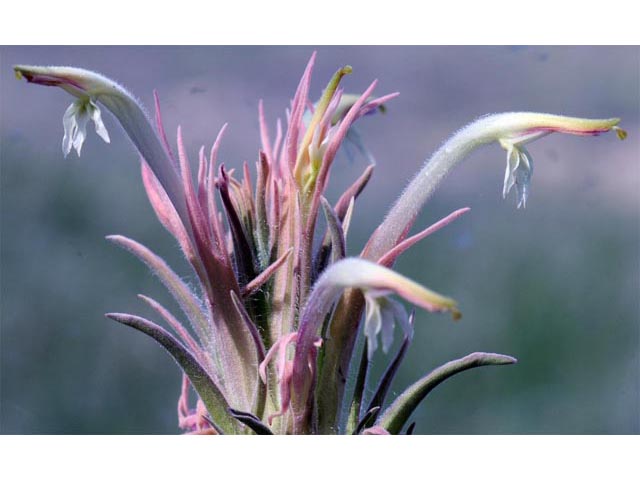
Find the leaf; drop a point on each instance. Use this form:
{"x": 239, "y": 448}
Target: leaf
{"x": 366, "y": 420}
{"x": 394, "y": 417}
{"x": 197, "y": 218}
{"x": 261, "y": 389}
{"x": 389, "y": 374}
{"x": 209, "y": 392}
{"x": 265, "y": 275}
{"x": 336, "y": 233}
{"x": 181, "y": 292}
{"x": 353, "y": 192}
{"x": 243, "y": 253}
{"x": 166, "y": 211}
{"x": 177, "y": 327}
{"x": 161, "y": 131}
{"x": 251, "y": 421}
{"x": 262, "y": 221}
{"x": 358, "y": 391}
{"x": 342, "y": 209}
{"x": 390, "y": 257}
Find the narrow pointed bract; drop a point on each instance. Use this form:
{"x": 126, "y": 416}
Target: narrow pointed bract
{"x": 209, "y": 392}
{"x": 395, "y": 416}
{"x": 269, "y": 321}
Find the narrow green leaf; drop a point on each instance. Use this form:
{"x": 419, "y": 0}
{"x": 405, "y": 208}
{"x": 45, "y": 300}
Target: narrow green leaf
{"x": 209, "y": 392}
{"x": 358, "y": 391}
{"x": 385, "y": 382}
{"x": 394, "y": 417}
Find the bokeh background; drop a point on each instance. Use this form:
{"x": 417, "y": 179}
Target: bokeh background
{"x": 555, "y": 285}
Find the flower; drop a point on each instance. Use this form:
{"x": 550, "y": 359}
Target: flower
{"x": 375, "y": 282}
{"x": 519, "y": 162}
{"x": 519, "y": 171}
{"x": 511, "y": 130}
{"x": 381, "y": 315}
{"x": 75, "y": 124}
{"x": 90, "y": 89}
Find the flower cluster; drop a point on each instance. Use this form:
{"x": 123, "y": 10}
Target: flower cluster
{"x": 270, "y": 335}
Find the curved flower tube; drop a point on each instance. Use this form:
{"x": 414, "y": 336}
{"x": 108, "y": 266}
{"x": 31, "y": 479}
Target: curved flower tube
{"x": 375, "y": 281}
{"x": 512, "y": 130}
{"x": 90, "y": 89}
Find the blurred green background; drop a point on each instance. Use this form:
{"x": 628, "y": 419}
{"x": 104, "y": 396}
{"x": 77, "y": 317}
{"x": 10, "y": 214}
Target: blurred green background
{"x": 555, "y": 285}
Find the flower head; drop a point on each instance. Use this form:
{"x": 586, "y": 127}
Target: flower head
{"x": 271, "y": 327}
